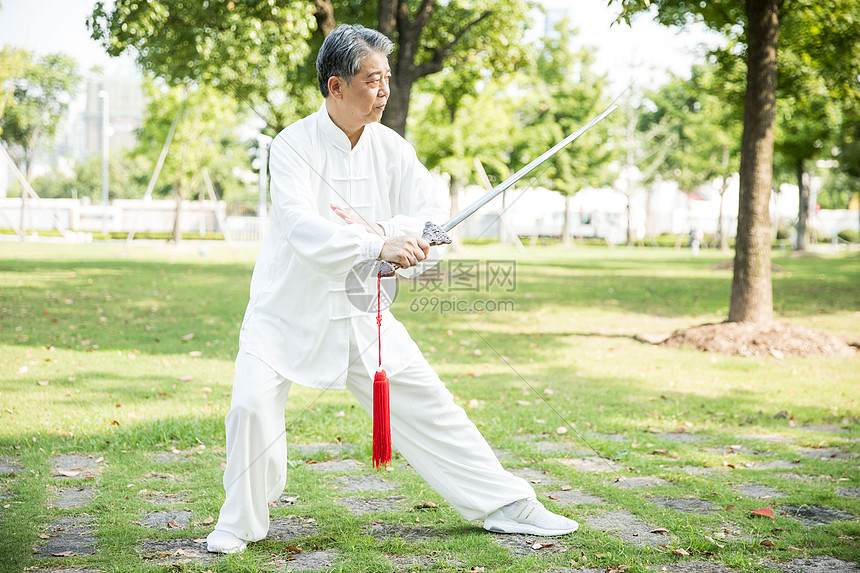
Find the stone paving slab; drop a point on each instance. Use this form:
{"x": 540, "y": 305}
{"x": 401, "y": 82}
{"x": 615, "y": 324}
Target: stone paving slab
{"x": 308, "y": 561}
{"x": 574, "y": 497}
{"x": 70, "y": 537}
{"x": 560, "y": 448}
{"x": 693, "y": 567}
{"x": 680, "y": 438}
{"x": 167, "y": 519}
{"x": 363, "y": 506}
{"x": 168, "y": 458}
{"x": 365, "y": 483}
{"x": 819, "y": 564}
{"x": 772, "y": 438}
{"x": 848, "y": 492}
{"x": 645, "y": 481}
{"x": 161, "y": 498}
{"x": 774, "y": 465}
{"x": 383, "y": 530}
{"x": 758, "y": 491}
{"x": 176, "y": 551}
{"x": 685, "y": 505}
{"x": 629, "y": 528}
{"x": 827, "y": 428}
{"x": 812, "y": 515}
{"x": 591, "y": 464}
{"x": 68, "y": 466}
{"x": 701, "y": 470}
{"x": 72, "y": 498}
{"x": 8, "y": 466}
{"x": 529, "y": 545}
{"x": 336, "y": 466}
{"x": 338, "y": 449}
{"x": 285, "y": 500}
{"x": 292, "y": 527}
{"x": 422, "y": 562}
{"x": 825, "y": 454}
{"x": 535, "y": 477}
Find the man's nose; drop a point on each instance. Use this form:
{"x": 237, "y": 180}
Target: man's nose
{"x": 384, "y": 89}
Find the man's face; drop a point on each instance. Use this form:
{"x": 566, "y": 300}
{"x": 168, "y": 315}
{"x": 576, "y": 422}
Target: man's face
{"x": 366, "y": 95}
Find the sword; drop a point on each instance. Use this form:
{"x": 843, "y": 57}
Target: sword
{"x": 438, "y": 234}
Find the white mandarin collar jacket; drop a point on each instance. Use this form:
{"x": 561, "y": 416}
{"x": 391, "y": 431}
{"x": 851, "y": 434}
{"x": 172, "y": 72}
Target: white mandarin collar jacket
{"x": 298, "y": 317}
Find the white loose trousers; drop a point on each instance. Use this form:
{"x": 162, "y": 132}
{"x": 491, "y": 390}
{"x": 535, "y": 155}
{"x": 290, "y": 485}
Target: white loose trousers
{"x": 427, "y": 428}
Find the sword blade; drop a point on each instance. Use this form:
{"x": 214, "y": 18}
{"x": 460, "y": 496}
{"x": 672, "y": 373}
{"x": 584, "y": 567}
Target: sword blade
{"x": 510, "y": 181}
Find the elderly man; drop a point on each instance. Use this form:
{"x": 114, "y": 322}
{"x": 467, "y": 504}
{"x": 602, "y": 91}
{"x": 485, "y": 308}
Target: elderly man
{"x": 346, "y": 192}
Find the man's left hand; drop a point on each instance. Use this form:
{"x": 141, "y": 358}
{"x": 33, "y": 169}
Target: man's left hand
{"x": 351, "y": 219}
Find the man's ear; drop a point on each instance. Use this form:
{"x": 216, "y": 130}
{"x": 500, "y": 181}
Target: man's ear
{"x": 335, "y": 87}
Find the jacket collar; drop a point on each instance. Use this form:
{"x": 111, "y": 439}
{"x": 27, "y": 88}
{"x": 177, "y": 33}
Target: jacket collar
{"x": 335, "y": 135}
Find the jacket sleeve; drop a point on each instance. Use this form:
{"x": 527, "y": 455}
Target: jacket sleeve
{"x": 415, "y": 201}
{"x": 325, "y": 247}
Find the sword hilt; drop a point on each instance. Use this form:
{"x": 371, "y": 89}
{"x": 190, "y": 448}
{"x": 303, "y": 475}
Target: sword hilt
{"x": 433, "y": 234}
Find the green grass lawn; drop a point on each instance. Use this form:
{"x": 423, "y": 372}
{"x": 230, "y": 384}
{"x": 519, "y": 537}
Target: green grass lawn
{"x": 123, "y": 357}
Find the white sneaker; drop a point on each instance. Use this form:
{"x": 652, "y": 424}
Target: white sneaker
{"x": 528, "y": 516}
{"x": 224, "y": 542}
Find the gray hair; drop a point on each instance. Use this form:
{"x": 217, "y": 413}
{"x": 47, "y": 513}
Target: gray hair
{"x": 344, "y": 49}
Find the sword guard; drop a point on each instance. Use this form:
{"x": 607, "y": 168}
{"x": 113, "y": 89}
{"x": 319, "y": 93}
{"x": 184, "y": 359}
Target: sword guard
{"x": 433, "y": 234}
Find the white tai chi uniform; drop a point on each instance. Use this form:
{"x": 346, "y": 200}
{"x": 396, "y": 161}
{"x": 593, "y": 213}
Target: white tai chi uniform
{"x": 300, "y": 326}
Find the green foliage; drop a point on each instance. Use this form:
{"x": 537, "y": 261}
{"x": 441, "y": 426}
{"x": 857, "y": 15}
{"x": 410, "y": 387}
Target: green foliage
{"x": 692, "y": 118}
{"x": 251, "y": 49}
{"x": 128, "y": 178}
{"x": 35, "y": 93}
{"x": 850, "y": 235}
{"x": 206, "y": 136}
{"x": 563, "y": 93}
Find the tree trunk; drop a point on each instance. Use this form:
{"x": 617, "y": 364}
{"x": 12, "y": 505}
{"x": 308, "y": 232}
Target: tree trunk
{"x": 454, "y": 192}
{"x": 803, "y": 210}
{"x": 397, "y": 107}
{"x": 752, "y": 291}
{"x": 324, "y": 15}
{"x": 721, "y": 223}
{"x": 177, "y": 220}
{"x": 565, "y": 226}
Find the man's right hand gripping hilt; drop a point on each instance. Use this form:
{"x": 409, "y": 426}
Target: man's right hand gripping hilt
{"x": 433, "y": 234}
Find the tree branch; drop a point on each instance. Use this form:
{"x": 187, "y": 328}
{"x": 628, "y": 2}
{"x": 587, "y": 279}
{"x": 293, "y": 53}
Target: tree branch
{"x": 439, "y": 54}
{"x": 324, "y": 15}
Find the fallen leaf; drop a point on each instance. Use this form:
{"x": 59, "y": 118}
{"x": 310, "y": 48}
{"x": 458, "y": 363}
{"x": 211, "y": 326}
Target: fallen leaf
{"x": 188, "y": 336}
{"x": 660, "y": 451}
{"x": 293, "y": 548}
{"x": 538, "y": 545}
{"x": 43, "y": 536}
{"x": 728, "y": 507}
{"x": 561, "y": 430}
{"x": 793, "y": 548}
{"x": 206, "y": 389}
{"x": 68, "y": 473}
{"x": 426, "y": 505}
{"x": 208, "y": 520}
{"x": 64, "y": 554}
{"x": 173, "y": 524}
{"x": 340, "y": 414}
{"x": 185, "y": 378}
{"x": 768, "y": 543}
{"x": 524, "y": 403}
{"x": 660, "y": 530}
{"x": 195, "y": 353}
{"x": 552, "y": 497}
{"x": 566, "y": 488}
{"x": 655, "y": 430}
{"x": 42, "y": 382}
{"x": 763, "y": 512}
{"x": 680, "y": 551}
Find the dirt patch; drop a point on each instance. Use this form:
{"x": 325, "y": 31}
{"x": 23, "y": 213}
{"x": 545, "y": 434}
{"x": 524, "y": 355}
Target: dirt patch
{"x": 686, "y": 505}
{"x": 336, "y": 466}
{"x": 819, "y": 564}
{"x": 812, "y": 515}
{"x": 365, "y": 483}
{"x": 7, "y": 468}
{"x": 72, "y": 498}
{"x": 362, "y": 506}
{"x": 629, "y": 528}
{"x": 167, "y": 519}
{"x": 285, "y": 528}
{"x": 528, "y": 545}
{"x": 75, "y": 466}
{"x": 382, "y": 530}
{"x": 308, "y": 561}
{"x": 176, "y": 551}
{"x": 777, "y": 339}
{"x": 758, "y": 491}
{"x": 69, "y": 537}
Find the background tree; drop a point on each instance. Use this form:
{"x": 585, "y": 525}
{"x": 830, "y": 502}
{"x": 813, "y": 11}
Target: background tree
{"x": 565, "y": 93}
{"x": 703, "y": 142}
{"x": 41, "y": 92}
{"x": 205, "y": 139}
{"x": 755, "y": 24}
{"x": 264, "y": 52}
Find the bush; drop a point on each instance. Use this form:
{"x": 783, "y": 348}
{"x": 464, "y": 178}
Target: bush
{"x": 849, "y": 236}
